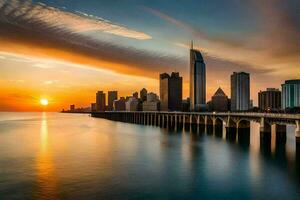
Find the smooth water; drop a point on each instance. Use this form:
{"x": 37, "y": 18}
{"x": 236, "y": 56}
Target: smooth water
{"x": 74, "y": 156}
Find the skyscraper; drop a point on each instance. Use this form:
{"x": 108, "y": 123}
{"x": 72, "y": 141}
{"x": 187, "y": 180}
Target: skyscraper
{"x": 100, "y": 101}
{"x": 112, "y": 95}
{"x": 143, "y": 94}
{"x": 197, "y": 81}
{"x": 291, "y": 94}
{"x": 269, "y": 100}
{"x": 135, "y": 95}
{"x": 170, "y": 91}
{"x": 240, "y": 91}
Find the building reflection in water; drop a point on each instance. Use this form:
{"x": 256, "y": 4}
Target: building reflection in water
{"x": 46, "y": 180}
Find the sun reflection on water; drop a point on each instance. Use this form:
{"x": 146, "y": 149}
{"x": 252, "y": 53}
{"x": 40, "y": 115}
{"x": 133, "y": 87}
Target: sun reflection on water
{"x": 46, "y": 179}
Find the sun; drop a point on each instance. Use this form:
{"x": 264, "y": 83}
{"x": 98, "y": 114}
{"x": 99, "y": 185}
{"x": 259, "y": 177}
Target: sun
{"x": 44, "y": 102}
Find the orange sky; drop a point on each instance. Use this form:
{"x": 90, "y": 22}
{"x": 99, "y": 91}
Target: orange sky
{"x": 67, "y": 55}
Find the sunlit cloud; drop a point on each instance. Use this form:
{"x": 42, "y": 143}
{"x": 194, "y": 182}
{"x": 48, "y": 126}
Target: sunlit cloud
{"x": 38, "y": 30}
{"x": 51, "y": 18}
{"x": 274, "y": 47}
{"x": 50, "y": 82}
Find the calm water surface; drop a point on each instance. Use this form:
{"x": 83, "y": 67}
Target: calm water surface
{"x": 65, "y": 156}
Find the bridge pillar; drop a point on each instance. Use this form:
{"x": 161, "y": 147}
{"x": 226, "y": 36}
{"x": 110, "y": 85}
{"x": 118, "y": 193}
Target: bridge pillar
{"x": 231, "y": 129}
{"x": 217, "y": 127}
{"x": 297, "y": 132}
{"x": 280, "y": 133}
{"x": 243, "y": 130}
{"x": 158, "y": 118}
{"x": 198, "y": 123}
{"x": 265, "y": 137}
{"x": 175, "y": 121}
{"x": 209, "y": 125}
{"x": 265, "y": 129}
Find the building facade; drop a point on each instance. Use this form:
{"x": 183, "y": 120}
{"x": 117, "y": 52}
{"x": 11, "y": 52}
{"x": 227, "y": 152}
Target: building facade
{"x": 72, "y": 107}
{"x": 112, "y": 95}
{"x": 132, "y": 104}
{"x": 197, "y": 81}
{"x": 100, "y": 101}
{"x": 240, "y": 91}
{"x": 269, "y": 100}
{"x": 135, "y": 95}
{"x": 170, "y": 91}
{"x": 143, "y": 94}
{"x": 291, "y": 94}
{"x": 119, "y": 105}
{"x": 93, "y": 107}
{"x": 152, "y": 103}
{"x": 219, "y": 101}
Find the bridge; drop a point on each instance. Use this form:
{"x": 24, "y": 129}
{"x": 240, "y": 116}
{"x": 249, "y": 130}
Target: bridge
{"x": 236, "y": 124}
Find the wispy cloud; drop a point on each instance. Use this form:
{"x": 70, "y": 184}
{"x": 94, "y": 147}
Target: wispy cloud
{"x": 275, "y": 47}
{"x": 50, "y": 82}
{"x": 15, "y": 11}
{"x": 43, "y": 31}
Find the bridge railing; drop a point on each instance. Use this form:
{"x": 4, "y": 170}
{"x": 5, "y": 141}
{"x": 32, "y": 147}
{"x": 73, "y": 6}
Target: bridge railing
{"x": 239, "y": 114}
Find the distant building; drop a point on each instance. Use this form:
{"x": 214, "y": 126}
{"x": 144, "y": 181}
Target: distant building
{"x": 135, "y": 95}
{"x": 251, "y": 106}
{"x": 219, "y": 101}
{"x": 170, "y": 91}
{"x": 132, "y": 104}
{"x": 197, "y": 81}
{"x": 112, "y": 95}
{"x": 269, "y": 100}
{"x": 100, "y": 101}
{"x": 291, "y": 94}
{"x": 143, "y": 94}
{"x": 72, "y": 107}
{"x": 240, "y": 91}
{"x": 152, "y": 103}
{"x": 185, "y": 105}
{"x": 119, "y": 105}
{"x": 93, "y": 107}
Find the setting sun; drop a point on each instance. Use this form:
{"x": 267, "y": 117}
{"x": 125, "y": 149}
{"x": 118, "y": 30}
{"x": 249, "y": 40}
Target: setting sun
{"x": 44, "y": 102}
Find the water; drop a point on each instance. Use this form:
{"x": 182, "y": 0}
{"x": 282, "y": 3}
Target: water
{"x": 74, "y": 156}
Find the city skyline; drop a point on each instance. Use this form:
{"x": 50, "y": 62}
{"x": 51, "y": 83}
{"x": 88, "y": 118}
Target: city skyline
{"x": 37, "y": 63}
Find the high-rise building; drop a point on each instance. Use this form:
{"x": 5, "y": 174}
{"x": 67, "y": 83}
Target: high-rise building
{"x": 219, "y": 101}
{"x": 143, "y": 94}
{"x": 135, "y": 95}
{"x": 132, "y": 104}
{"x": 100, "y": 101}
{"x": 72, "y": 107}
{"x": 269, "y": 100}
{"x": 152, "y": 103}
{"x": 197, "y": 81}
{"x": 170, "y": 91}
{"x": 240, "y": 91}
{"x": 119, "y": 105}
{"x": 291, "y": 94}
{"x": 112, "y": 95}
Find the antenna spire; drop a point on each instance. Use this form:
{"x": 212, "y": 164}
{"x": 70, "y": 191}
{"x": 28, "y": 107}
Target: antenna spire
{"x": 192, "y": 44}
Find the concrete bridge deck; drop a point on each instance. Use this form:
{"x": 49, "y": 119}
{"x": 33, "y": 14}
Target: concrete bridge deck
{"x": 234, "y": 122}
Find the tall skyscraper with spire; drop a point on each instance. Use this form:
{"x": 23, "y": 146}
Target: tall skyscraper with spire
{"x": 197, "y": 80}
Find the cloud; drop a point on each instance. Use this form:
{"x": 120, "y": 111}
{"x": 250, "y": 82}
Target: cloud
{"x": 50, "y": 82}
{"x": 274, "y": 47}
{"x": 42, "y": 31}
{"x": 17, "y": 81}
{"x": 16, "y": 11}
